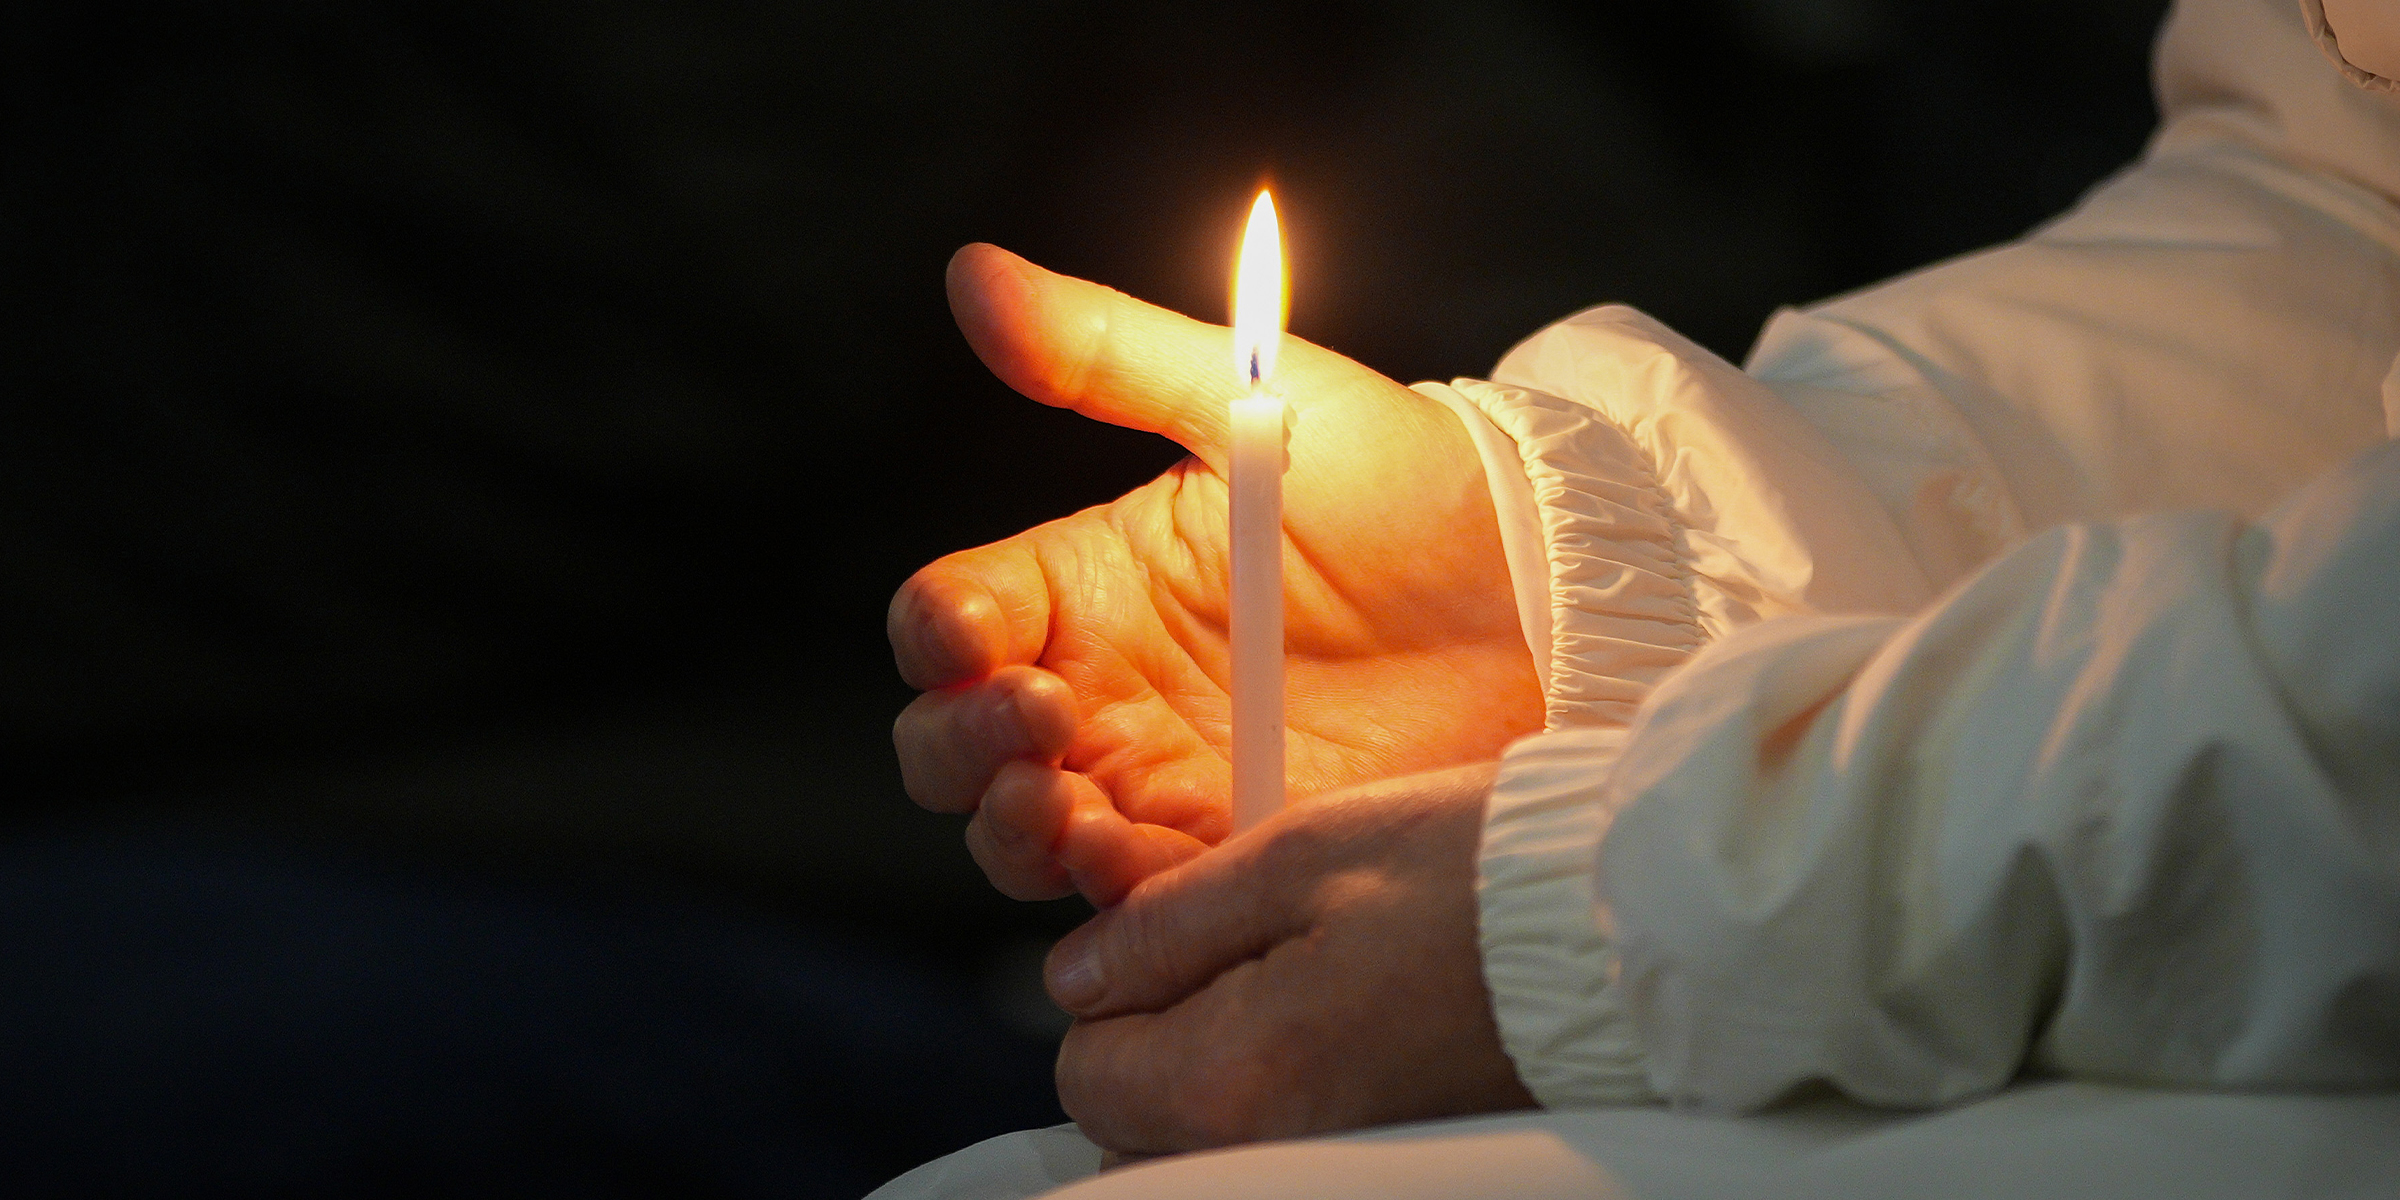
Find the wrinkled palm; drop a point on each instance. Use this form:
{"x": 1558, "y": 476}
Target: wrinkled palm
{"x": 1404, "y": 652}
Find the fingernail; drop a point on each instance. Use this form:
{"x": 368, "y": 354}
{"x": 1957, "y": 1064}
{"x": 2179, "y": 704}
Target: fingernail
{"x": 986, "y": 285}
{"x": 1076, "y": 983}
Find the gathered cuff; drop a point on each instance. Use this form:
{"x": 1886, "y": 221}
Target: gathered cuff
{"x": 1678, "y": 500}
{"x": 1619, "y": 588}
{"x": 1546, "y": 952}
{"x": 1519, "y": 517}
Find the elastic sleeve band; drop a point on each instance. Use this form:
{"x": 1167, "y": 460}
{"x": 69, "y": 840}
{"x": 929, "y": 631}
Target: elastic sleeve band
{"x": 1520, "y": 521}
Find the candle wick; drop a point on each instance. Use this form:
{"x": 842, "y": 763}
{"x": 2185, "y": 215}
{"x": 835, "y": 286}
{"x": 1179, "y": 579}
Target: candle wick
{"x": 1256, "y": 375}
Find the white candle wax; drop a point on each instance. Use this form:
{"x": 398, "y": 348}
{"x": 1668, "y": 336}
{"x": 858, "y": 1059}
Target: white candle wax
{"x": 1255, "y": 624}
{"x": 1254, "y": 476}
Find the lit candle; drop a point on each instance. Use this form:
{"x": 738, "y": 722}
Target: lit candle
{"x": 1255, "y": 624}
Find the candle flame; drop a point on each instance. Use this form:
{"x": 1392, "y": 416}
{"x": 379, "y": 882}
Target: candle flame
{"x": 1258, "y": 296}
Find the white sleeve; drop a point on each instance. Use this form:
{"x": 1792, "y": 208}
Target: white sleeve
{"x": 1676, "y": 500}
{"x": 2125, "y": 805}
{"x": 2210, "y": 330}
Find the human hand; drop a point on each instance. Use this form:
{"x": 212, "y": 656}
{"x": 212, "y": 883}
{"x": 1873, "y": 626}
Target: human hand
{"x": 1319, "y": 973}
{"x": 1075, "y": 674}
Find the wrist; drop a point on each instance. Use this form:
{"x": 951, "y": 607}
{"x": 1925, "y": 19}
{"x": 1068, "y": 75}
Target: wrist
{"x": 1517, "y": 517}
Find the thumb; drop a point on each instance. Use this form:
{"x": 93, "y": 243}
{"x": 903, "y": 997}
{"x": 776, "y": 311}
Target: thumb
{"x": 1177, "y": 931}
{"x": 1077, "y": 345}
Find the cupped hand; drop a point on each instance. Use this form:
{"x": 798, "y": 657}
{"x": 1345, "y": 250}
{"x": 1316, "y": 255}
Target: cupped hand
{"x": 1319, "y": 973}
{"x": 1075, "y": 674}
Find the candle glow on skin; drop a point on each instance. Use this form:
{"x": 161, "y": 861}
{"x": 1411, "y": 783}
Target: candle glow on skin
{"x": 1256, "y": 461}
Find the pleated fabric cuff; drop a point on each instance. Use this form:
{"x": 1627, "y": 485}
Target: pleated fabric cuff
{"x": 1620, "y": 591}
{"x": 1546, "y": 953}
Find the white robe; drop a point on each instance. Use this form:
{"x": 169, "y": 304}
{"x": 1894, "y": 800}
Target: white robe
{"x": 1998, "y": 679}
{"x": 2085, "y": 811}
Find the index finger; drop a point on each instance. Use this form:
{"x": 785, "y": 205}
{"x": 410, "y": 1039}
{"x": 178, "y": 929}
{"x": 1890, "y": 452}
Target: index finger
{"x": 969, "y": 614}
{"x": 1175, "y": 932}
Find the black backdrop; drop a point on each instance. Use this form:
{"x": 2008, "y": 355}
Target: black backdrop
{"x": 489, "y": 432}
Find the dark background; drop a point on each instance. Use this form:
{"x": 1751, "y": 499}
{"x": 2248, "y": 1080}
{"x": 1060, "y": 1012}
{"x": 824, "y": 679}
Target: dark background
{"x": 483, "y": 437}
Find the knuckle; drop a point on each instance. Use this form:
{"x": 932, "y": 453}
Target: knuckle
{"x": 1041, "y": 708}
{"x": 989, "y": 722}
{"x": 1291, "y": 866}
